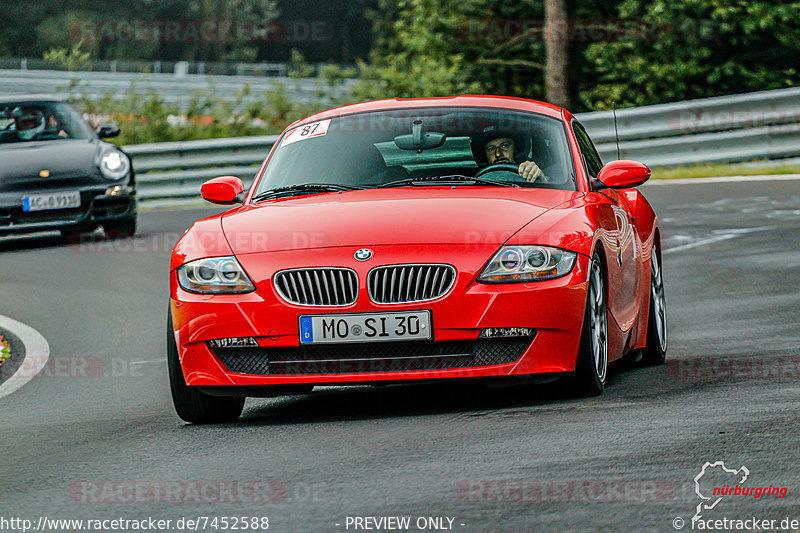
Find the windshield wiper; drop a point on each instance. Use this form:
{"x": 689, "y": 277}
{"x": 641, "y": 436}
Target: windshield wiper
{"x": 303, "y": 188}
{"x": 453, "y": 178}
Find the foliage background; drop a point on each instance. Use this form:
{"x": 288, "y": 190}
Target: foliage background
{"x": 631, "y": 52}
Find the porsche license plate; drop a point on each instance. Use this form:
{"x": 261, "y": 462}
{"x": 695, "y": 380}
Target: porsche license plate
{"x": 365, "y": 327}
{"x": 61, "y": 200}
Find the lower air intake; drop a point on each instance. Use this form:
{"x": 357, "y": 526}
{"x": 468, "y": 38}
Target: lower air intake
{"x": 372, "y": 357}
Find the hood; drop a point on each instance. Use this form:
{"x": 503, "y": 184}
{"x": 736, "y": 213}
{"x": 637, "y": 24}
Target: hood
{"x": 66, "y": 160}
{"x": 424, "y": 215}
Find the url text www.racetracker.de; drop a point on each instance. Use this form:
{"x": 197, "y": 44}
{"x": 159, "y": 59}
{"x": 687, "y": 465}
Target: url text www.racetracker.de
{"x": 199, "y": 523}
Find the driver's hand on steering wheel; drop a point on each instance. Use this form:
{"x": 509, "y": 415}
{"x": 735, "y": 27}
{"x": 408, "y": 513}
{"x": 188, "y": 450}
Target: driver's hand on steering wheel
{"x": 531, "y": 172}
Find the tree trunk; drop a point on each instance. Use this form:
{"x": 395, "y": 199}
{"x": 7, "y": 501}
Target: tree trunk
{"x": 556, "y": 44}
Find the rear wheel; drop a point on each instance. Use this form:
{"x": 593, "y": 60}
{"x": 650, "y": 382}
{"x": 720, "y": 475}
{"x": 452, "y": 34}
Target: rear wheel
{"x": 592, "y": 366}
{"x": 655, "y": 353}
{"x": 191, "y": 404}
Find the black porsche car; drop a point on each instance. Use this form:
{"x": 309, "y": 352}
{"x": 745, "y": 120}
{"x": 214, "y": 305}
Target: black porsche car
{"x": 56, "y": 173}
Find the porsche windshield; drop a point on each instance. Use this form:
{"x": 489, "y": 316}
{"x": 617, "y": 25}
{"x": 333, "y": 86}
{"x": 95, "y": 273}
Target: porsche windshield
{"x": 40, "y": 121}
{"x": 399, "y": 147}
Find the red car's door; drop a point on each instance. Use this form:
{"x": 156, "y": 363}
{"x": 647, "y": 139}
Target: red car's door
{"x": 621, "y": 240}
{"x": 624, "y": 273}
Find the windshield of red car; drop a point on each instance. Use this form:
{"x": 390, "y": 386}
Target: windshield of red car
{"x": 375, "y": 148}
{"x": 41, "y": 121}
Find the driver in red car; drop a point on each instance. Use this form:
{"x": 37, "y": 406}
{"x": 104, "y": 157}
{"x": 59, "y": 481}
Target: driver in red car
{"x": 502, "y": 149}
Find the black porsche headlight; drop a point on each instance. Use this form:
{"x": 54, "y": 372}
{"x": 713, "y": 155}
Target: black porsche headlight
{"x": 114, "y": 165}
{"x": 527, "y": 263}
{"x": 214, "y": 275}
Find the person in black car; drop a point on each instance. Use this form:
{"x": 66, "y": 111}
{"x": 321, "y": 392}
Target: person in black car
{"x": 28, "y": 124}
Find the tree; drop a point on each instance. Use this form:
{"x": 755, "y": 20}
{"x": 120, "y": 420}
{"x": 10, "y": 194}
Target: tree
{"x": 687, "y": 49}
{"x": 446, "y": 47}
{"x": 556, "y": 40}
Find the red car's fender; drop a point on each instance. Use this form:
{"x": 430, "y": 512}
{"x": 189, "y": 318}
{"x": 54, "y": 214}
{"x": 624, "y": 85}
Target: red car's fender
{"x": 203, "y": 239}
{"x": 587, "y": 224}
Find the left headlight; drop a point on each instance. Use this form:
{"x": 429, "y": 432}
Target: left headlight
{"x": 527, "y": 263}
{"x": 114, "y": 165}
{"x": 214, "y": 275}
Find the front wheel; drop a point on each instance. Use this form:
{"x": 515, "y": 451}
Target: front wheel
{"x": 121, "y": 229}
{"x": 655, "y": 352}
{"x": 591, "y": 369}
{"x": 191, "y": 404}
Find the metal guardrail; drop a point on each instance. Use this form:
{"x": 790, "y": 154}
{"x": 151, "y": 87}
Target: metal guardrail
{"x": 172, "y": 173}
{"x": 763, "y": 125}
{"x": 175, "y": 89}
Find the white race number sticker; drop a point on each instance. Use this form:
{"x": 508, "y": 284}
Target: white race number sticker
{"x": 309, "y": 131}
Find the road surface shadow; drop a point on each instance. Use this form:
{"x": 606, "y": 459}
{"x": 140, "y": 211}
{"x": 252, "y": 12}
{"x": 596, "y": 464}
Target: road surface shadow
{"x": 366, "y": 402}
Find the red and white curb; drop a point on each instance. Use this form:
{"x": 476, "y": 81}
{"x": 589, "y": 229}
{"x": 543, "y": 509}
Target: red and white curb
{"x": 37, "y": 352}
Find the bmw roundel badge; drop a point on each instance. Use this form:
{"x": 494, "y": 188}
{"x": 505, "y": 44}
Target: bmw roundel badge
{"x": 363, "y": 254}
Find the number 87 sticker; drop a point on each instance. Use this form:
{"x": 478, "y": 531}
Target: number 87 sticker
{"x": 307, "y": 131}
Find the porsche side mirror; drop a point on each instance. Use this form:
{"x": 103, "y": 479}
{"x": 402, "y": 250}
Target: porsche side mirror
{"x": 224, "y": 190}
{"x": 623, "y": 174}
{"x": 106, "y": 132}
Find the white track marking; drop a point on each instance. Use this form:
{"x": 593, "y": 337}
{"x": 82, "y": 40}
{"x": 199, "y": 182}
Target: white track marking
{"x": 724, "y": 179}
{"x": 152, "y": 361}
{"x": 723, "y": 236}
{"x": 37, "y": 352}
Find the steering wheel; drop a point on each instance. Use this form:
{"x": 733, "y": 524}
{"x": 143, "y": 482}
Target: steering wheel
{"x": 508, "y": 167}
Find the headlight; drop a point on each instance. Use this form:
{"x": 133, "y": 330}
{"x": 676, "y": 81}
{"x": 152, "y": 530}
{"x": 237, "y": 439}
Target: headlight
{"x": 114, "y": 165}
{"x": 527, "y": 263}
{"x": 215, "y": 275}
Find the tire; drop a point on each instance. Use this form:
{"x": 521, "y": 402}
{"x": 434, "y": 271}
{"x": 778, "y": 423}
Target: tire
{"x": 191, "y": 404}
{"x": 591, "y": 369}
{"x": 655, "y": 352}
{"x": 121, "y": 229}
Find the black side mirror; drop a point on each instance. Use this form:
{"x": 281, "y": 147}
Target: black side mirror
{"x": 106, "y": 132}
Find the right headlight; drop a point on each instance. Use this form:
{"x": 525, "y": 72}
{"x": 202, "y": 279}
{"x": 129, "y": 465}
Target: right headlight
{"x": 214, "y": 275}
{"x": 114, "y": 164}
{"x": 515, "y": 264}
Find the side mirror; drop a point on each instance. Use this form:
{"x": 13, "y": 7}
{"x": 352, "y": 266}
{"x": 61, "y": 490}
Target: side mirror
{"x": 106, "y": 132}
{"x": 224, "y": 190}
{"x": 624, "y": 174}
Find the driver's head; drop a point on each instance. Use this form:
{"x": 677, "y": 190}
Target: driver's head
{"x": 29, "y": 123}
{"x": 500, "y": 150}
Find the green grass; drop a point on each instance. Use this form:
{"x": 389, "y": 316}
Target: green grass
{"x": 710, "y": 170}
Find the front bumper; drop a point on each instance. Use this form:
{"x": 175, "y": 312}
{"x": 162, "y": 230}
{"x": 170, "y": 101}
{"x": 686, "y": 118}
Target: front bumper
{"x": 95, "y": 209}
{"x": 553, "y": 308}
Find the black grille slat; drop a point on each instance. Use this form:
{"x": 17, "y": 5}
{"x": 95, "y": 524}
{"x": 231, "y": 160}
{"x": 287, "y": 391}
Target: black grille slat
{"x": 295, "y": 292}
{"x": 392, "y": 286}
{"x": 308, "y": 299}
{"x": 409, "y": 283}
{"x": 425, "y": 284}
{"x": 373, "y": 357}
{"x": 318, "y": 286}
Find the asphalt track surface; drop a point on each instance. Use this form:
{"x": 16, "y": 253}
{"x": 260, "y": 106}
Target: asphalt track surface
{"x": 95, "y": 435}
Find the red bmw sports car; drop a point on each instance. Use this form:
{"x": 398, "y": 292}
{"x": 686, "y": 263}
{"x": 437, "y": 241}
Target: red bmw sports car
{"x": 422, "y": 239}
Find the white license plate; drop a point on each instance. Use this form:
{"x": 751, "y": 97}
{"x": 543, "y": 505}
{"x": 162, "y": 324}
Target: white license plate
{"x": 59, "y": 200}
{"x": 365, "y": 327}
